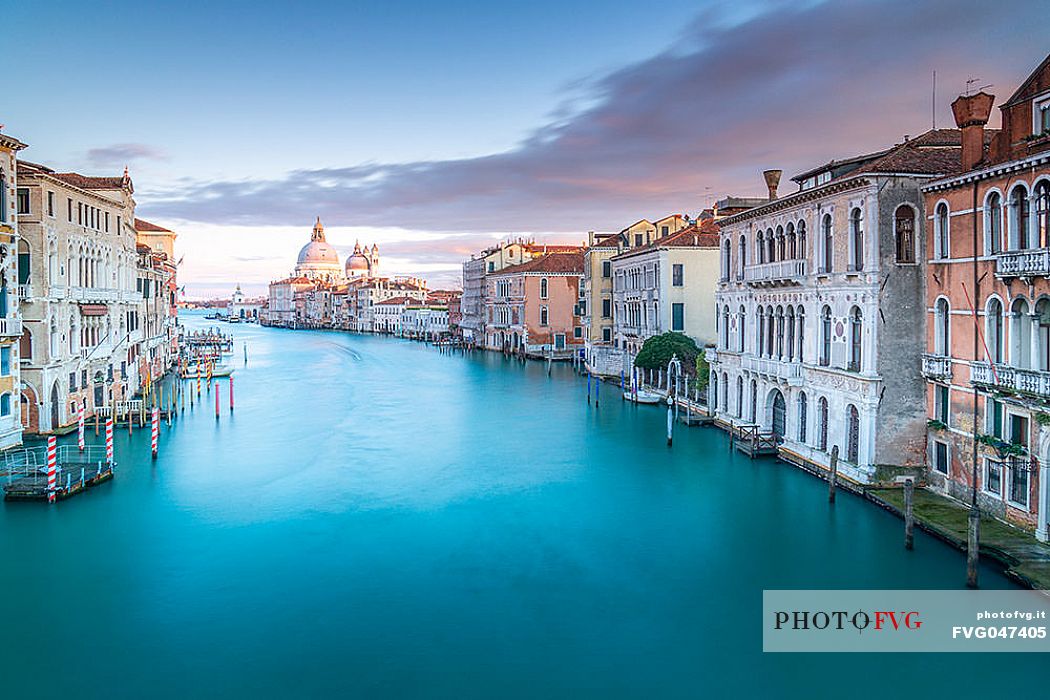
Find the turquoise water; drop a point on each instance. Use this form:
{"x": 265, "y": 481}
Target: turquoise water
{"x": 380, "y": 519}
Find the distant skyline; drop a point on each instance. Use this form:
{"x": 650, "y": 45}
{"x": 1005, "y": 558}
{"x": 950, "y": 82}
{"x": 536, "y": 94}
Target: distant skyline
{"x": 436, "y": 129}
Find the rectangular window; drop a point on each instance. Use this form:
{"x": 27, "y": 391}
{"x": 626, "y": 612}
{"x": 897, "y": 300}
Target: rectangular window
{"x": 69, "y": 209}
{"x": 1018, "y": 482}
{"x": 606, "y": 308}
{"x": 578, "y": 331}
{"x": 50, "y": 203}
{"x": 940, "y": 457}
{"x": 993, "y": 477}
{"x": 80, "y": 213}
{"x": 677, "y": 317}
{"x": 107, "y": 222}
{"x": 677, "y": 274}
{"x": 582, "y": 310}
{"x": 5, "y": 360}
{"x": 941, "y": 403}
{"x": 993, "y": 416}
{"x": 492, "y": 266}
{"x": 23, "y": 200}
{"x": 637, "y": 239}
{"x": 1019, "y": 430}
{"x": 606, "y": 334}
{"x": 72, "y": 381}
{"x": 664, "y": 230}
{"x": 606, "y": 268}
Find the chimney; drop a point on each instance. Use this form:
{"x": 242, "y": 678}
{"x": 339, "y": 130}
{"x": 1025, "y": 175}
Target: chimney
{"x": 971, "y": 114}
{"x": 772, "y": 181}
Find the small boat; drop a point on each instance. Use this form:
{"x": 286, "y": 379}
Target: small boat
{"x": 191, "y": 371}
{"x": 642, "y": 396}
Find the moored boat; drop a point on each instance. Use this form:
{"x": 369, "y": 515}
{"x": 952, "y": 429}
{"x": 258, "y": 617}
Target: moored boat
{"x": 642, "y": 396}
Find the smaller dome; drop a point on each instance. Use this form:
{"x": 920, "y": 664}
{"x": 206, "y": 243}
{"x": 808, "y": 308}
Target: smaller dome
{"x": 357, "y": 262}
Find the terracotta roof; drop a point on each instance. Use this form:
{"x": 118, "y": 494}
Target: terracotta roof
{"x": 546, "y": 248}
{"x": 552, "y": 262}
{"x": 143, "y": 225}
{"x": 86, "y": 182}
{"x": 394, "y": 301}
{"x": 702, "y": 235}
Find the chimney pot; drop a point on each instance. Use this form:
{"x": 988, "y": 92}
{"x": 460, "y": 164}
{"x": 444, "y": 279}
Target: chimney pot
{"x": 772, "y": 181}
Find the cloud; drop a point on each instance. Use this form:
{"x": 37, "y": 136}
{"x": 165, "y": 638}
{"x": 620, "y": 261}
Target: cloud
{"x": 787, "y": 85}
{"x": 120, "y": 154}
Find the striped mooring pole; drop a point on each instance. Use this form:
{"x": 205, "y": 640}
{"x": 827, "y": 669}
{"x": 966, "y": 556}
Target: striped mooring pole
{"x": 154, "y": 430}
{"x": 109, "y": 441}
{"x": 198, "y": 379}
{"x": 52, "y": 467}
{"x": 80, "y": 428}
{"x": 231, "y": 393}
{"x": 216, "y": 401}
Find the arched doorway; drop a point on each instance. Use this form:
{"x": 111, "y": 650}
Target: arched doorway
{"x": 779, "y": 414}
{"x": 54, "y": 406}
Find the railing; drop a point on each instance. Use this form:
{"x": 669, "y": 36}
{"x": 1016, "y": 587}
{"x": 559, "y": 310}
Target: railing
{"x": 936, "y": 366}
{"x": 25, "y": 292}
{"x": 775, "y": 272}
{"x": 93, "y": 294}
{"x": 1023, "y": 263}
{"x": 1028, "y": 381}
{"x": 778, "y": 369}
{"x": 10, "y": 327}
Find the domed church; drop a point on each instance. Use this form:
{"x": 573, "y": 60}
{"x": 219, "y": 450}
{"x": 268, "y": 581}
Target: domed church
{"x": 363, "y": 262}
{"x": 318, "y": 259}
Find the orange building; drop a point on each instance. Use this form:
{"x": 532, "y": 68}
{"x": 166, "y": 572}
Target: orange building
{"x": 988, "y": 310}
{"x": 534, "y": 308}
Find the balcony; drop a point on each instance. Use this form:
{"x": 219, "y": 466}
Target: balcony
{"x": 775, "y": 273}
{"x": 1028, "y": 381}
{"x": 937, "y": 367}
{"x": 1023, "y": 263}
{"x": 10, "y": 327}
{"x": 25, "y": 292}
{"x": 790, "y": 372}
{"x": 711, "y": 355}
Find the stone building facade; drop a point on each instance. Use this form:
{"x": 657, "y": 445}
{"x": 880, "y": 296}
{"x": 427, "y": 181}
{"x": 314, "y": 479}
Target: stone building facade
{"x": 988, "y": 310}
{"x": 83, "y": 331}
{"x": 14, "y": 267}
{"x": 820, "y": 297}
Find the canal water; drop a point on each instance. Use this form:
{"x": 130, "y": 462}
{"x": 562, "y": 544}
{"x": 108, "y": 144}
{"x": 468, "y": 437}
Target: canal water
{"x": 380, "y": 519}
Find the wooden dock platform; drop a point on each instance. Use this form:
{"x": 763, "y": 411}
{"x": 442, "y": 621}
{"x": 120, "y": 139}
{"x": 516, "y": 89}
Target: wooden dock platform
{"x": 23, "y": 475}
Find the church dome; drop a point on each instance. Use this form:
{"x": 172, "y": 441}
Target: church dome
{"x": 318, "y": 257}
{"x": 358, "y": 262}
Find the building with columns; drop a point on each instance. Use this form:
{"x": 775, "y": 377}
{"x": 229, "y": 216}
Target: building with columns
{"x": 820, "y": 297}
{"x": 987, "y": 361}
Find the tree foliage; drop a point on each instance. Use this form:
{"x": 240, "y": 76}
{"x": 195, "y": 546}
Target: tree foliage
{"x": 657, "y": 352}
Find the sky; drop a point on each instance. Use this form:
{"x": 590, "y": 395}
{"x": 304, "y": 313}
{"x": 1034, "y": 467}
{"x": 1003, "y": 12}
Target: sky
{"x": 435, "y": 129}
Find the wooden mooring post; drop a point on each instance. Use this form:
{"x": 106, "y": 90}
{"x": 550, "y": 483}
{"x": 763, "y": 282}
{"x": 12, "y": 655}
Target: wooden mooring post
{"x": 973, "y": 538}
{"x": 833, "y": 477}
{"x": 909, "y": 516}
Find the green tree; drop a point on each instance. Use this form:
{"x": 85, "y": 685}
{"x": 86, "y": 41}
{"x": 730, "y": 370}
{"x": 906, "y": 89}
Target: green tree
{"x": 657, "y": 352}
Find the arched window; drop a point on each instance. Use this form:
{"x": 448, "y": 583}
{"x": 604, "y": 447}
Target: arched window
{"x": 780, "y": 332}
{"x": 25, "y": 344}
{"x": 726, "y": 264}
{"x": 1042, "y": 213}
{"x": 1019, "y": 214}
{"x": 801, "y": 315}
{"x": 760, "y": 246}
{"x": 802, "y": 407}
{"x": 3, "y": 197}
{"x": 856, "y": 338}
{"x": 543, "y": 287}
{"x": 760, "y": 328}
{"x": 714, "y": 391}
{"x": 739, "y": 397}
{"x": 822, "y": 417}
{"x": 742, "y": 261}
{"x": 940, "y": 231}
{"x": 740, "y": 329}
{"x": 856, "y": 232}
{"x": 725, "y": 392}
{"x": 23, "y": 262}
{"x": 993, "y": 224}
{"x": 789, "y": 323}
{"x": 993, "y": 330}
{"x": 904, "y": 233}
{"x": 771, "y": 246}
{"x": 5, "y": 404}
{"x": 802, "y": 240}
{"x": 825, "y": 336}
{"x": 792, "y": 242}
{"x": 725, "y": 328}
{"x": 1020, "y": 335}
{"x": 754, "y": 401}
{"x": 1042, "y": 313}
{"x": 829, "y": 245}
{"x": 942, "y": 328}
{"x": 852, "y": 435}
{"x": 770, "y": 330}
{"x": 781, "y": 244}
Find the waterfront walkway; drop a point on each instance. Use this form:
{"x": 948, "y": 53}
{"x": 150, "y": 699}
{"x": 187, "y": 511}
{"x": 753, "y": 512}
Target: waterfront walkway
{"x": 1023, "y": 557}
